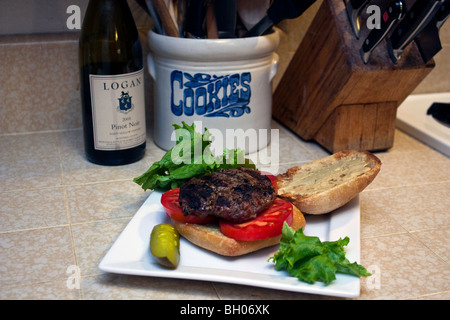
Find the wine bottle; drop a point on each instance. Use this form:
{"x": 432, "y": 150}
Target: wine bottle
{"x": 112, "y": 84}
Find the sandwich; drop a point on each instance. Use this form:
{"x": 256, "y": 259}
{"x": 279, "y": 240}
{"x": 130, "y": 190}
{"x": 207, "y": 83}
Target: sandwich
{"x": 231, "y": 212}
{"x": 236, "y": 211}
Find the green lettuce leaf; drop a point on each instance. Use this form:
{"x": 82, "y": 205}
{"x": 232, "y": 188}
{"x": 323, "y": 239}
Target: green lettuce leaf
{"x": 190, "y": 157}
{"x": 310, "y": 260}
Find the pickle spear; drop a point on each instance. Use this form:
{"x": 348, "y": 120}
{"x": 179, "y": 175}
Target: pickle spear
{"x": 165, "y": 245}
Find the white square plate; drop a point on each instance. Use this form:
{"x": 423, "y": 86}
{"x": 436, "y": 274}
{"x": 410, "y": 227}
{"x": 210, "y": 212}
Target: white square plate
{"x": 130, "y": 254}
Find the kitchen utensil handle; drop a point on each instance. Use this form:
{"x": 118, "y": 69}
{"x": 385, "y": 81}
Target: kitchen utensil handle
{"x": 166, "y": 20}
{"x": 152, "y": 11}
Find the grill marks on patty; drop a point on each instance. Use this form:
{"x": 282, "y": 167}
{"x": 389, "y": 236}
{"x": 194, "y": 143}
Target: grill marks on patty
{"x": 236, "y": 195}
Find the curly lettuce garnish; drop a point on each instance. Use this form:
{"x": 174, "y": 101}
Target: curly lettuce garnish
{"x": 310, "y": 260}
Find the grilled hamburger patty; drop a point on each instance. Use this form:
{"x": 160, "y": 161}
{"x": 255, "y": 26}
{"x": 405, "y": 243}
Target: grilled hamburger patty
{"x": 236, "y": 195}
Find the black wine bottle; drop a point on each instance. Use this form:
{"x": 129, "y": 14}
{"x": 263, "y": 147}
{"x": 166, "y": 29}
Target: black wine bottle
{"x": 112, "y": 84}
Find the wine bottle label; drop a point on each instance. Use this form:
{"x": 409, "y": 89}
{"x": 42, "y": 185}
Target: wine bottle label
{"x": 118, "y": 110}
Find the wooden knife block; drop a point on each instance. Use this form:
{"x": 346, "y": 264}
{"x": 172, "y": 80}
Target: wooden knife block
{"x": 329, "y": 95}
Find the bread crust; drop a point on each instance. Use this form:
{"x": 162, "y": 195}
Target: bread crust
{"x": 338, "y": 193}
{"x": 209, "y": 237}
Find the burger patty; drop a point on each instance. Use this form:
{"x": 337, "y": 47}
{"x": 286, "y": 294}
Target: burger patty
{"x": 236, "y": 195}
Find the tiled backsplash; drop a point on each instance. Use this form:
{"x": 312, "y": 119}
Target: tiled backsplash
{"x": 40, "y": 79}
{"x": 40, "y": 83}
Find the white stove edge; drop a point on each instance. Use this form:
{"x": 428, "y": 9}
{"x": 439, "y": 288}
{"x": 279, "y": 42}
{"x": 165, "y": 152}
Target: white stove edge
{"x": 412, "y": 118}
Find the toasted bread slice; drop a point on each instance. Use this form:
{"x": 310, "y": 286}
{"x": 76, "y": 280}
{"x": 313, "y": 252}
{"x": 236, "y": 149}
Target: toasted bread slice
{"x": 209, "y": 237}
{"x": 326, "y": 184}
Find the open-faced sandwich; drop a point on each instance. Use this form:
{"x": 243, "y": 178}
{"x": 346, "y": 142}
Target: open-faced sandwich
{"x": 234, "y": 209}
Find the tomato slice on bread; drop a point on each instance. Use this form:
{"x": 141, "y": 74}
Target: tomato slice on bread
{"x": 266, "y": 225}
{"x": 170, "y": 202}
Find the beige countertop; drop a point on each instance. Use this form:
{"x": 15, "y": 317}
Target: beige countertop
{"x": 60, "y": 214}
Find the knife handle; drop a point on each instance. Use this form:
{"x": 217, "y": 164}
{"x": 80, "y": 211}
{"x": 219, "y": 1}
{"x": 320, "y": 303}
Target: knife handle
{"x": 358, "y": 4}
{"x": 421, "y": 13}
{"x": 415, "y": 20}
{"x": 393, "y": 13}
{"x": 226, "y": 15}
{"x": 195, "y": 15}
{"x": 428, "y": 41}
{"x": 442, "y": 14}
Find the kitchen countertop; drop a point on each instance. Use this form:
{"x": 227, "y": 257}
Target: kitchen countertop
{"x": 60, "y": 214}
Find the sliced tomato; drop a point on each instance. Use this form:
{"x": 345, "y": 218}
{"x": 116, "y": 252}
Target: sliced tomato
{"x": 266, "y": 225}
{"x": 169, "y": 201}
